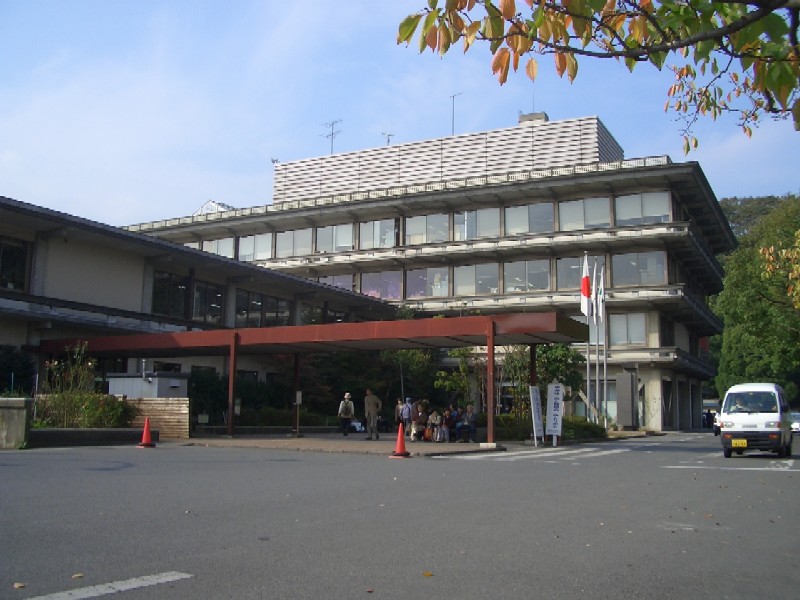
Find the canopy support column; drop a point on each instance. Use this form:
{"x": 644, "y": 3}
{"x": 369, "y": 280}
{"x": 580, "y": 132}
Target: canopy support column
{"x": 232, "y": 356}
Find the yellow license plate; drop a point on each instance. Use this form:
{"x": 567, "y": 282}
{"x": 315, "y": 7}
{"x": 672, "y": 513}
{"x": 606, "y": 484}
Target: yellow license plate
{"x": 738, "y": 443}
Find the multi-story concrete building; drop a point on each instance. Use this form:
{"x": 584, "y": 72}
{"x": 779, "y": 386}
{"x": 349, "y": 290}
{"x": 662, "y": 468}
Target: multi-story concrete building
{"x": 500, "y": 221}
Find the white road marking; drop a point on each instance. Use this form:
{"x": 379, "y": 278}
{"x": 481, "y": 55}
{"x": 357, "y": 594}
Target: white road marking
{"x": 549, "y": 455}
{"x": 115, "y": 587}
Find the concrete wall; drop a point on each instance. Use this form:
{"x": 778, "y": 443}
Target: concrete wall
{"x": 15, "y": 422}
{"x": 93, "y": 274}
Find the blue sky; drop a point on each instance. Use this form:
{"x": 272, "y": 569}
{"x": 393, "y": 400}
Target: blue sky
{"x": 128, "y": 111}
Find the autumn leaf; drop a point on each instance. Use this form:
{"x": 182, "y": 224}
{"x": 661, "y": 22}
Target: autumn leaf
{"x": 508, "y": 8}
{"x": 532, "y": 69}
{"x": 500, "y": 64}
{"x": 561, "y": 63}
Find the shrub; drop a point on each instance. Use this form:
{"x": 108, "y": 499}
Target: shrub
{"x": 82, "y": 410}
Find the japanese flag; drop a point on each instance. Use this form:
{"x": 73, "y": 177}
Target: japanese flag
{"x": 586, "y": 289}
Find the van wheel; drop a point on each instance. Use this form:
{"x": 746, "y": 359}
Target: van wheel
{"x": 726, "y": 452}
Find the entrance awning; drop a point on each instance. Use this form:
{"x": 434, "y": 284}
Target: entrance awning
{"x": 490, "y": 331}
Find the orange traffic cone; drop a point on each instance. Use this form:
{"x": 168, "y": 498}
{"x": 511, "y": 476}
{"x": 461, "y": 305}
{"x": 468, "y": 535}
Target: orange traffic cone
{"x": 146, "y": 441}
{"x": 400, "y": 448}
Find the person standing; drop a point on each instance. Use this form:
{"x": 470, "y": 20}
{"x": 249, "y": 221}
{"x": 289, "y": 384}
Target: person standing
{"x": 407, "y": 415}
{"x": 346, "y": 413}
{"x": 372, "y": 407}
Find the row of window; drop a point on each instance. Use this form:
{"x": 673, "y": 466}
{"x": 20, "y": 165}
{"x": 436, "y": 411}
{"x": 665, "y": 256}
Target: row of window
{"x": 630, "y": 269}
{"x": 539, "y": 218}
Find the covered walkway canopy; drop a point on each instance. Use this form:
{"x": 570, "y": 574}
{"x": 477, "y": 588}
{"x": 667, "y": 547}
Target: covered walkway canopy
{"x": 490, "y": 331}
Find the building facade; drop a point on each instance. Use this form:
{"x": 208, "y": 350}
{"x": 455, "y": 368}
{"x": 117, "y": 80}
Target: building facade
{"x": 64, "y": 277}
{"x": 500, "y": 221}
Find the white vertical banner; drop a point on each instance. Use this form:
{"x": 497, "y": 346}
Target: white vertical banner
{"x": 536, "y": 415}
{"x": 555, "y": 409}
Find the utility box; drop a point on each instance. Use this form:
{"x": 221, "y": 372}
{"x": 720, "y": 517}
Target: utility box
{"x": 148, "y": 385}
{"x": 15, "y": 422}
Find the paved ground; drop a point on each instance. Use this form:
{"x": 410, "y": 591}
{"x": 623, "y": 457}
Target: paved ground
{"x": 357, "y": 443}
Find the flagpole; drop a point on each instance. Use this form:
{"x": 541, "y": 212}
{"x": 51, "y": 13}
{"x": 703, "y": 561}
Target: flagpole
{"x": 586, "y": 309}
{"x": 597, "y": 399}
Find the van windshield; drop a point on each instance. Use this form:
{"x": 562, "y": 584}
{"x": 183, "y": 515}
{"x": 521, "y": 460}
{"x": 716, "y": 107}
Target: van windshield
{"x": 750, "y": 402}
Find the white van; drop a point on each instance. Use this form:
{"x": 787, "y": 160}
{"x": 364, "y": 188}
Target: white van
{"x": 756, "y": 416}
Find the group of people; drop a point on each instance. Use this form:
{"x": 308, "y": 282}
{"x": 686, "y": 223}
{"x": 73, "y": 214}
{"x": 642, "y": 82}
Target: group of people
{"x": 372, "y": 414}
{"x": 454, "y": 424}
{"x": 451, "y": 425}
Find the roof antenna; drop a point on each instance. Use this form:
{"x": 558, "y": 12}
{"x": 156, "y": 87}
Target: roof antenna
{"x": 334, "y": 132}
{"x": 389, "y": 137}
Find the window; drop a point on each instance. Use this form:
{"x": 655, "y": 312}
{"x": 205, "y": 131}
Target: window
{"x": 638, "y": 209}
{"x": 473, "y": 224}
{"x": 526, "y": 276}
{"x": 208, "y": 302}
{"x": 276, "y": 313}
{"x": 640, "y": 268}
{"x": 431, "y": 282}
{"x": 427, "y": 229}
{"x": 626, "y": 329}
{"x": 13, "y": 263}
{"x": 222, "y": 247}
{"x": 472, "y": 280}
{"x": 293, "y": 243}
{"x": 341, "y": 281}
{"x": 378, "y": 234}
{"x": 335, "y": 238}
{"x": 569, "y": 270}
{"x": 170, "y": 294}
{"x": 255, "y": 247}
{"x": 384, "y": 285}
{"x": 588, "y": 213}
{"x": 533, "y": 218}
{"x": 248, "y": 308}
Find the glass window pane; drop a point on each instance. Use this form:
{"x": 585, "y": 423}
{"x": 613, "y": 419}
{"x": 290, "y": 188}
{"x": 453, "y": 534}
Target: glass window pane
{"x": 514, "y": 277}
{"x": 13, "y": 263}
{"x": 460, "y": 226}
{"x": 344, "y": 238}
{"x": 568, "y": 273}
{"x": 415, "y": 283}
{"x": 538, "y": 272}
{"x": 284, "y": 244}
{"x": 488, "y": 222}
{"x": 387, "y": 233}
{"x": 618, "y": 329}
{"x": 464, "y": 280}
{"x": 628, "y": 210}
{"x": 247, "y": 248}
{"x": 636, "y": 328}
{"x": 437, "y": 229}
{"x": 242, "y": 305}
{"x": 655, "y": 207}
{"x": 486, "y": 277}
{"x": 263, "y": 246}
{"x": 652, "y": 267}
{"x": 570, "y": 215}
{"x": 325, "y": 239}
{"x": 391, "y": 285}
{"x": 415, "y": 230}
{"x": 517, "y": 219}
{"x": 371, "y": 284}
{"x": 596, "y": 212}
{"x": 437, "y": 282}
{"x": 367, "y": 235}
{"x": 625, "y": 269}
{"x": 302, "y": 242}
{"x": 540, "y": 217}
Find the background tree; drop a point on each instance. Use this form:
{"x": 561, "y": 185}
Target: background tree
{"x": 744, "y": 213}
{"x": 17, "y": 372}
{"x": 761, "y": 338}
{"x": 738, "y": 57}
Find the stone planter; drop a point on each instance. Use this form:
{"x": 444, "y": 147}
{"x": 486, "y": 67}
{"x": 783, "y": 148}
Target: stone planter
{"x": 15, "y": 422}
